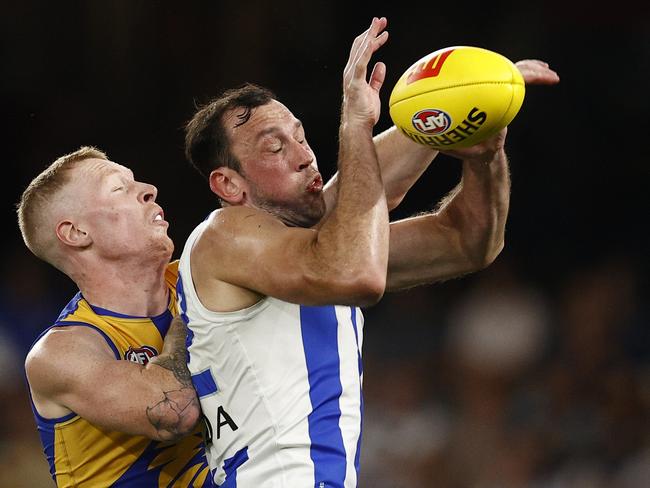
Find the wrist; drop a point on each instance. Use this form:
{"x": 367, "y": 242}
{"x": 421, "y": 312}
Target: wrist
{"x": 355, "y": 128}
{"x": 485, "y": 159}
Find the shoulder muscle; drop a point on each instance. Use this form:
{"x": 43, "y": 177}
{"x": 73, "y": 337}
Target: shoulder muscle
{"x": 59, "y": 356}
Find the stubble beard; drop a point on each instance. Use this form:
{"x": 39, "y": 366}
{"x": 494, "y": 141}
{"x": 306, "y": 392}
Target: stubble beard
{"x": 304, "y": 212}
{"x": 161, "y": 249}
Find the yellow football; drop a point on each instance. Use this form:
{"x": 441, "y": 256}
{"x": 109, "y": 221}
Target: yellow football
{"x": 457, "y": 97}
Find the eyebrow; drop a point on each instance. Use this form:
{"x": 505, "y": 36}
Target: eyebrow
{"x": 275, "y": 128}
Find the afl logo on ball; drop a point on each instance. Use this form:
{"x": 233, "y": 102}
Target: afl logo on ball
{"x": 140, "y": 355}
{"x": 431, "y": 121}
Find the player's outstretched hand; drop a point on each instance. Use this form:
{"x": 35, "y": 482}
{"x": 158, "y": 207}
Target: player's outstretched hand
{"x": 484, "y": 151}
{"x": 536, "y": 72}
{"x": 360, "y": 96}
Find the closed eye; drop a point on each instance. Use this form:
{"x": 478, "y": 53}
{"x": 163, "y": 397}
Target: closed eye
{"x": 117, "y": 188}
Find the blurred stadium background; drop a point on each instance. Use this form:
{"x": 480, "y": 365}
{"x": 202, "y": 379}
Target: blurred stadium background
{"x": 532, "y": 373}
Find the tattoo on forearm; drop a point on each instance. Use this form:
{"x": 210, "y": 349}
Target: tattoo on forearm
{"x": 167, "y": 416}
{"x": 173, "y": 356}
{"x": 177, "y": 365}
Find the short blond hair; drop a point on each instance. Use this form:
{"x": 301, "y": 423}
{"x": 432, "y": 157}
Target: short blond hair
{"x": 40, "y": 194}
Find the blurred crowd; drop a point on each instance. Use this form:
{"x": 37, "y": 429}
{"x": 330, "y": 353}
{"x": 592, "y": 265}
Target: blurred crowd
{"x": 489, "y": 381}
{"x": 494, "y": 382}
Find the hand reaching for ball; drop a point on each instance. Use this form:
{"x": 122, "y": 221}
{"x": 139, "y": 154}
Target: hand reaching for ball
{"x": 484, "y": 151}
{"x": 536, "y": 72}
{"x": 361, "y": 96}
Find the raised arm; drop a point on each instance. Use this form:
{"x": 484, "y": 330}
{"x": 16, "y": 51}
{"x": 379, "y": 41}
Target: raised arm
{"x": 73, "y": 369}
{"x": 345, "y": 260}
{"x": 466, "y": 233}
{"x": 403, "y": 161}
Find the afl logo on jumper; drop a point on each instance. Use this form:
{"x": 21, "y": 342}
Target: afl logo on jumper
{"x": 140, "y": 355}
{"x": 431, "y": 121}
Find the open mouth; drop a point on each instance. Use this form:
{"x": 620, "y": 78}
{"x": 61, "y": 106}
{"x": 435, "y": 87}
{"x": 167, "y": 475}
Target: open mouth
{"x": 159, "y": 216}
{"x": 316, "y": 185}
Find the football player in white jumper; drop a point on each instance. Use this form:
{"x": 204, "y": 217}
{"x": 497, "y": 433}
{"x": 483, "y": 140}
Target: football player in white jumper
{"x": 270, "y": 283}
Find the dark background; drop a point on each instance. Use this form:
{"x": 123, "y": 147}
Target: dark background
{"x": 569, "y": 407}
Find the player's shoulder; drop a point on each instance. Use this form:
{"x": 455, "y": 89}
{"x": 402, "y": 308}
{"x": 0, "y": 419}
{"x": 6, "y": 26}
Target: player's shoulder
{"x": 229, "y": 222}
{"x": 237, "y": 215}
{"x": 63, "y": 349}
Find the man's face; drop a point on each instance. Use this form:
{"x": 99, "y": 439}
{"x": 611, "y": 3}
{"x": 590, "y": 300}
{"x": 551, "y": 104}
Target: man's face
{"x": 278, "y": 164}
{"x": 120, "y": 214}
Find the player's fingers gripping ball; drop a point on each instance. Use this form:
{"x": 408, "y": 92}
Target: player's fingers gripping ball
{"x": 457, "y": 97}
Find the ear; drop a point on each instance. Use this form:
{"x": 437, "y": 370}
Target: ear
{"x": 71, "y": 235}
{"x": 228, "y": 185}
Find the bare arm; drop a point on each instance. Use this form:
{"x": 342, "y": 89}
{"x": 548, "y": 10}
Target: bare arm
{"x": 342, "y": 262}
{"x": 403, "y": 161}
{"x": 74, "y": 370}
{"x": 466, "y": 233}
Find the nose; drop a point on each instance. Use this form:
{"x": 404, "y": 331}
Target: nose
{"x": 305, "y": 157}
{"x": 148, "y": 193}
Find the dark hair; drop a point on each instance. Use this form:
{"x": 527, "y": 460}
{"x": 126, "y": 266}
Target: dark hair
{"x": 206, "y": 141}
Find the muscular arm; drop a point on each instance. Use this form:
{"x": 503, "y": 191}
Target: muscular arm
{"x": 465, "y": 234}
{"x": 342, "y": 262}
{"x": 73, "y": 369}
{"x": 402, "y": 162}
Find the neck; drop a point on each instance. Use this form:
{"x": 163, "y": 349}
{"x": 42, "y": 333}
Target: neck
{"x": 287, "y": 216}
{"x": 137, "y": 289}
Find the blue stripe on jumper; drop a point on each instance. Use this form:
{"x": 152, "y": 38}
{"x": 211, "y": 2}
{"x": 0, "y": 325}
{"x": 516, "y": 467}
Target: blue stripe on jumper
{"x": 231, "y": 465}
{"x": 182, "y": 303}
{"x": 319, "y": 328}
{"x": 357, "y": 456}
{"x": 204, "y": 383}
